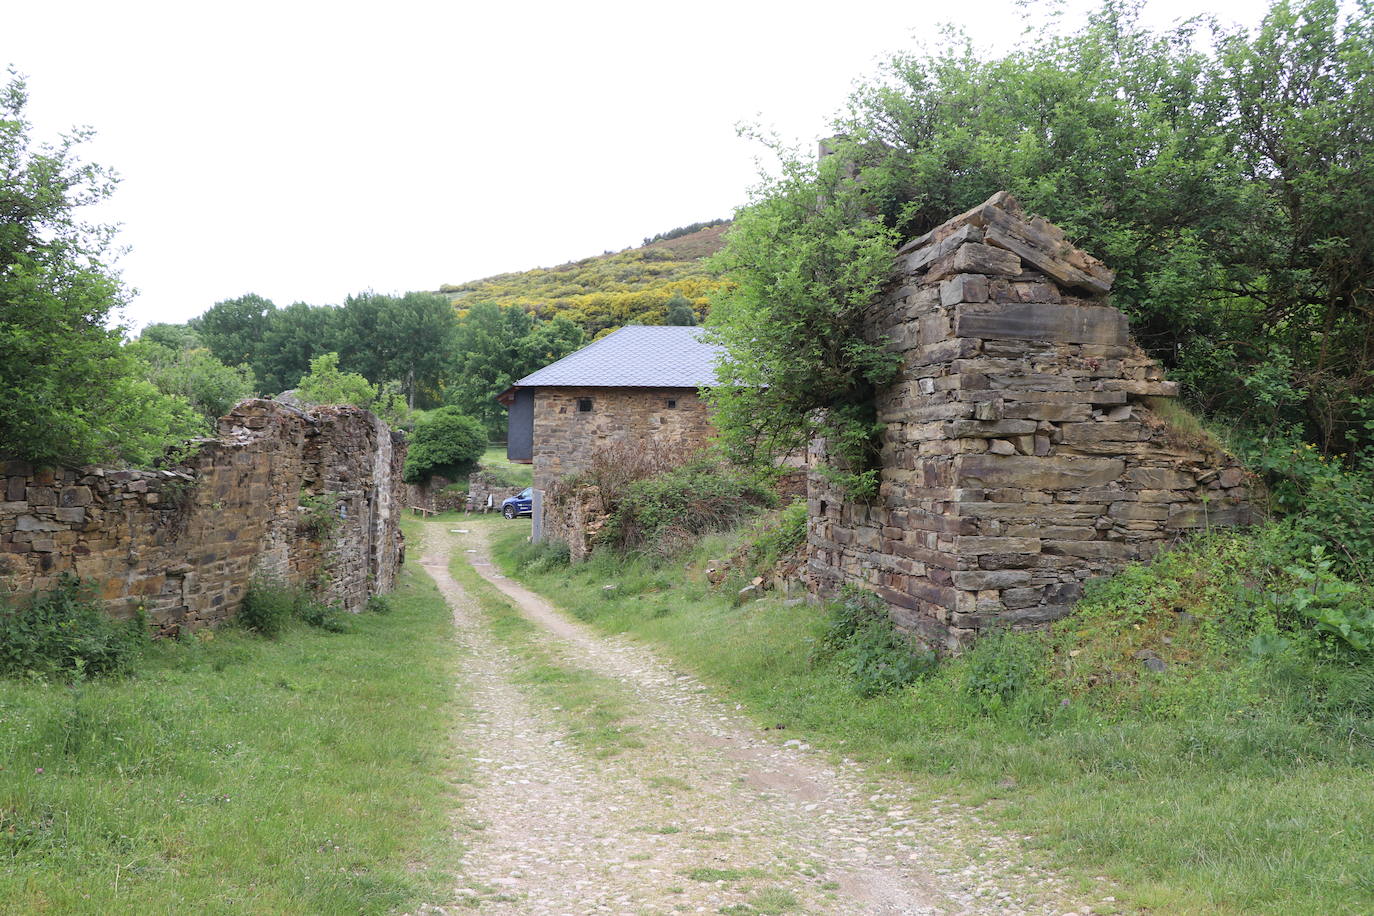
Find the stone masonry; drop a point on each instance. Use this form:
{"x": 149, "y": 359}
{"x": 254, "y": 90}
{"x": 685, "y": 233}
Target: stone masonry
{"x": 565, "y": 437}
{"x": 308, "y": 498}
{"x": 1026, "y": 449}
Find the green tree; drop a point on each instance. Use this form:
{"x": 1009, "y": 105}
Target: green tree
{"x": 807, "y": 260}
{"x": 680, "y": 311}
{"x": 495, "y": 346}
{"x": 445, "y": 442}
{"x": 294, "y": 336}
{"x": 407, "y": 339}
{"x": 1229, "y": 189}
{"x": 69, "y": 392}
{"x": 234, "y": 329}
{"x": 177, "y": 364}
{"x": 326, "y": 383}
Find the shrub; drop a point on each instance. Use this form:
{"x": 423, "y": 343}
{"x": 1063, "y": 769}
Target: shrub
{"x": 613, "y": 467}
{"x": 1341, "y": 612}
{"x": 63, "y": 632}
{"x": 876, "y": 657}
{"x": 661, "y": 514}
{"x": 445, "y": 442}
{"x": 379, "y": 604}
{"x": 328, "y": 617}
{"x": 269, "y": 607}
{"x": 1328, "y": 499}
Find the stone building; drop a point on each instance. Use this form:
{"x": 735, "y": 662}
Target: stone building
{"x": 1028, "y": 442}
{"x": 636, "y": 384}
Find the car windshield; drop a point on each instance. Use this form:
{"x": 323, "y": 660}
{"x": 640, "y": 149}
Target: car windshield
{"x": 525, "y": 493}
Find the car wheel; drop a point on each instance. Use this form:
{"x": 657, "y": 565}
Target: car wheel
{"x": 508, "y": 512}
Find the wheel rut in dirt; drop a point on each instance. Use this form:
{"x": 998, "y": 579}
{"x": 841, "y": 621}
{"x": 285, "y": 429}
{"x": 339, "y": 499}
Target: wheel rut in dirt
{"x": 711, "y": 813}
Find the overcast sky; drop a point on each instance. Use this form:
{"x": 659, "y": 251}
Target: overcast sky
{"x": 305, "y": 151}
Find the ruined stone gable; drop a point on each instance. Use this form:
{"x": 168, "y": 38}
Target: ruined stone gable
{"x": 1027, "y": 447}
{"x": 307, "y": 498}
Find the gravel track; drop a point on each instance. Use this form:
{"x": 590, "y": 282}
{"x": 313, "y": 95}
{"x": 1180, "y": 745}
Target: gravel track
{"x": 712, "y": 814}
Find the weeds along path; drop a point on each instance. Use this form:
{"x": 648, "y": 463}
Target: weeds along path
{"x": 693, "y": 808}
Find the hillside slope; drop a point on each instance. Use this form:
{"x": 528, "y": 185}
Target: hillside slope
{"x": 605, "y": 292}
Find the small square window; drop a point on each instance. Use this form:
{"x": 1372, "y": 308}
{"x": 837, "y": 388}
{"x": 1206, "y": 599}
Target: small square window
{"x": 584, "y": 405}
{"x": 672, "y": 403}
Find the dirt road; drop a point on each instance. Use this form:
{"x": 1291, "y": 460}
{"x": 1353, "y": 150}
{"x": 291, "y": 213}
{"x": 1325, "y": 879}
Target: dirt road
{"x": 711, "y": 814}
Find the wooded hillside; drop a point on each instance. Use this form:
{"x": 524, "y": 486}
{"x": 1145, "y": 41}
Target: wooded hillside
{"x": 599, "y": 294}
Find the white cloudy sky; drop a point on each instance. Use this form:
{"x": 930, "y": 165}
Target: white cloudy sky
{"x": 307, "y": 150}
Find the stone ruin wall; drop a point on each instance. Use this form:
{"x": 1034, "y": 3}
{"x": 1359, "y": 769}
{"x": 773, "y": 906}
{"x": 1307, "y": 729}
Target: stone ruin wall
{"x": 1022, "y": 455}
{"x": 184, "y": 544}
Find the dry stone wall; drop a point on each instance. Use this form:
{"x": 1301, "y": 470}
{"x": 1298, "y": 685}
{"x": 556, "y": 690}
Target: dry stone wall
{"x": 309, "y": 498}
{"x": 565, "y": 437}
{"x": 1027, "y": 447}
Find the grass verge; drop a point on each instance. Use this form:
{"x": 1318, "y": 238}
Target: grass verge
{"x": 231, "y": 773}
{"x": 494, "y": 461}
{"x": 594, "y": 709}
{"x": 1228, "y": 783}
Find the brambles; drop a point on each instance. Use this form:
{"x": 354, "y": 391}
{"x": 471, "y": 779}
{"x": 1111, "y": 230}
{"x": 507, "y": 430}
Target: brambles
{"x": 269, "y": 607}
{"x": 64, "y": 633}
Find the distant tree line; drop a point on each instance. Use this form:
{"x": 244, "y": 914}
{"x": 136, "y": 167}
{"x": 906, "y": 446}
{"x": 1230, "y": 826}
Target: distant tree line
{"x": 680, "y": 231}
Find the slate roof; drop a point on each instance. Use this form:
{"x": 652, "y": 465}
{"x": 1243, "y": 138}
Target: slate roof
{"x": 636, "y": 356}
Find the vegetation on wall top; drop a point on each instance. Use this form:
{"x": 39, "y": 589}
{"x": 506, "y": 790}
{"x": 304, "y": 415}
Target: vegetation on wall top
{"x": 1225, "y": 175}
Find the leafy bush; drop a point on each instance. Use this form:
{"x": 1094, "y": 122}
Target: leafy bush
{"x": 786, "y": 534}
{"x": 874, "y": 654}
{"x": 328, "y": 617}
{"x": 269, "y": 607}
{"x": 1329, "y": 499}
{"x": 379, "y": 604}
{"x": 807, "y": 258}
{"x": 774, "y": 536}
{"x": 445, "y": 442}
{"x": 326, "y": 383}
{"x": 1340, "y": 611}
{"x": 662, "y": 513}
{"x": 63, "y": 632}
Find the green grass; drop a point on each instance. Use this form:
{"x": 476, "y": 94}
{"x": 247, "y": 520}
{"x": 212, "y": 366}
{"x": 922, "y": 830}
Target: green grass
{"x": 494, "y": 461}
{"x": 310, "y": 774}
{"x": 1223, "y": 786}
{"x": 595, "y": 709}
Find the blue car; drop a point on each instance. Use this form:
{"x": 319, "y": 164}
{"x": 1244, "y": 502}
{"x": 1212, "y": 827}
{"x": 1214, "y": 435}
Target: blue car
{"x": 520, "y": 504}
